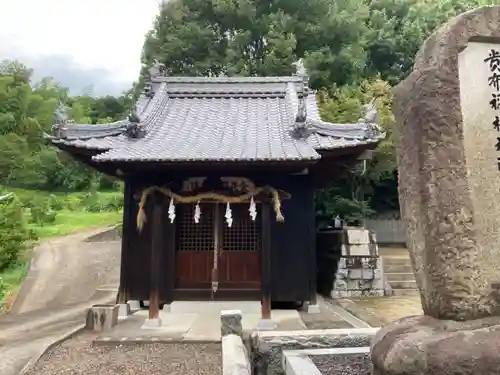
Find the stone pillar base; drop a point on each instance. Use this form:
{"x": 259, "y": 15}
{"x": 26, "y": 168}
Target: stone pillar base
{"x": 123, "y": 310}
{"x": 313, "y": 309}
{"x": 266, "y": 325}
{"x": 151, "y": 323}
{"x": 424, "y": 345}
{"x": 134, "y": 305}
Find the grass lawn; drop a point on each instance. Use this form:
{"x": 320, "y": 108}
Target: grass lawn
{"x": 11, "y": 280}
{"x": 68, "y": 222}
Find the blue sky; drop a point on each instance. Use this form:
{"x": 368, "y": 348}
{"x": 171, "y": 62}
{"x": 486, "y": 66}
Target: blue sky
{"x": 81, "y": 43}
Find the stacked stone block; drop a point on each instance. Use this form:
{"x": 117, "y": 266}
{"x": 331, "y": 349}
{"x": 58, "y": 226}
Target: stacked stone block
{"x": 359, "y": 269}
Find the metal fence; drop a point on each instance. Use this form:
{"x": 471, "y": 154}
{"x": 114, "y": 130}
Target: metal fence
{"x": 390, "y": 232}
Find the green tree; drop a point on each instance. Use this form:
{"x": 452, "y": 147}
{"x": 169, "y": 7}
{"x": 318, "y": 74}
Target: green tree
{"x": 26, "y": 113}
{"x": 258, "y": 37}
{"x": 13, "y": 232}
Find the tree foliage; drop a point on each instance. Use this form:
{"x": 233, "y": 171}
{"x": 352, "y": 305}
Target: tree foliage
{"x": 14, "y": 232}
{"x": 26, "y": 113}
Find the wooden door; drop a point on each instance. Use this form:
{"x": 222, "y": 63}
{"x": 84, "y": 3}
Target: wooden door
{"x": 238, "y": 263}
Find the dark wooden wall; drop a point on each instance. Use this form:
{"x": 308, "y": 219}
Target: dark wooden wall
{"x": 293, "y": 268}
{"x": 293, "y": 249}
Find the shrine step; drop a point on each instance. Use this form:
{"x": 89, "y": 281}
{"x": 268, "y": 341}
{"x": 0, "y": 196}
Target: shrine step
{"x": 405, "y": 292}
{"x": 399, "y": 276}
{"x": 397, "y": 268}
{"x": 412, "y": 284}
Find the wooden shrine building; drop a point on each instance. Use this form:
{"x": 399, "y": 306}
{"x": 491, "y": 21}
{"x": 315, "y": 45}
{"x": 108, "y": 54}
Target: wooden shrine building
{"x": 219, "y": 185}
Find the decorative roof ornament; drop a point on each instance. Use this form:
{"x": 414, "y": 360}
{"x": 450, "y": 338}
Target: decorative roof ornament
{"x": 300, "y": 128}
{"x": 135, "y": 129}
{"x": 300, "y": 69}
{"x": 134, "y": 117}
{"x": 370, "y": 119}
{"x": 148, "y": 89}
{"x": 156, "y": 70}
{"x": 61, "y": 119}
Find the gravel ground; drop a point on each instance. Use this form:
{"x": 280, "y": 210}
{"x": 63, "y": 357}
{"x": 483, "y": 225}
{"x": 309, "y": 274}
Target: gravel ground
{"x": 79, "y": 356}
{"x": 352, "y": 364}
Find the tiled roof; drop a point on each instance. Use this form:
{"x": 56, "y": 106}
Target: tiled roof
{"x": 219, "y": 119}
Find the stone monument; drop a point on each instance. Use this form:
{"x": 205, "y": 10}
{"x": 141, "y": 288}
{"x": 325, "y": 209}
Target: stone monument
{"x": 448, "y": 149}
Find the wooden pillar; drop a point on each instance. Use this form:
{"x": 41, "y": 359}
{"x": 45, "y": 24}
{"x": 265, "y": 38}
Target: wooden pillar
{"x": 127, "y": 227}
{"x": 169, "y": 261}
{"x": 156, "y": 253}
{"x": 266, "y": 262}
{"x": 313, "y": 269}
{"x": 217, "y": 241}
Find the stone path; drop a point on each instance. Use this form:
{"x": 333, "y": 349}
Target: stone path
{"x": 61, "y": 284}
{"x": 24, "y": 336}
{"x": 381, "y": 310}
{"x": 329, "y": 317}
{"x": 68, "y": 270}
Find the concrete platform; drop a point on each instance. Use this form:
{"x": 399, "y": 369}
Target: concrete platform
{"x": 195, "y": 321}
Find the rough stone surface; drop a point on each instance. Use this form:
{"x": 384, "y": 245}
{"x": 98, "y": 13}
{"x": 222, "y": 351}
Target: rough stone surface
{"x": 442, "y": 196}
{"x": 267, "y": 347}
{"x": 422, "y": 345}
{"x": 235, "y": 359}
{"x": 358, "y": 276}
{"x": 230, "y": 322}
{"x": 102, "y": 318}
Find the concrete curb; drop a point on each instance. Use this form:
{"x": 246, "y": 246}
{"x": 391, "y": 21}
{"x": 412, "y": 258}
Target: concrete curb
{"x": 67, "y": 335}
{"x": 359, "y": 312}
{"x": 112, "y": 233}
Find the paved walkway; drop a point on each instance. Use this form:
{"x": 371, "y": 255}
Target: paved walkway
{"x": 25, "y": 335}
{"x": 61, "y": 284}
{"x": 378, "y": 311}
{"x": 197, "y": 321}
{"x": 68, "y": 270}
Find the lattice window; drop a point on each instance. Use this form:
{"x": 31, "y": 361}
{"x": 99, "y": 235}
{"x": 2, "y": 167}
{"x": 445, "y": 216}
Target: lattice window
{"x": 244, "y": 235}
{"x": 192, "y": 236}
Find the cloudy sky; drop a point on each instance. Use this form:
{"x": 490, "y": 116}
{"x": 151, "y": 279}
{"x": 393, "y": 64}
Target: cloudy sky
{"x": 81, "y": 43}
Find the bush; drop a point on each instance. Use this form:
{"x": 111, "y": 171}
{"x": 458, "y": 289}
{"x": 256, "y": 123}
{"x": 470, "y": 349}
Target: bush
{"x": 41, "y": 212}
{"x": 14, "y": 232}
{"x": 73, "y": 202}
{"x": 108, "y": 183}
{"x": 95, "y": 202}
{"x": 56, "y": 203}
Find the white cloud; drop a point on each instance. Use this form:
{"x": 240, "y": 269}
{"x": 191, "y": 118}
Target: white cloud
{"x": 94, "y": 34}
